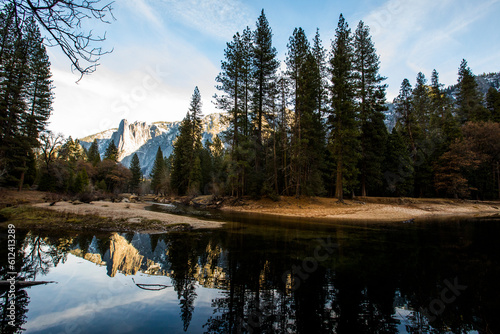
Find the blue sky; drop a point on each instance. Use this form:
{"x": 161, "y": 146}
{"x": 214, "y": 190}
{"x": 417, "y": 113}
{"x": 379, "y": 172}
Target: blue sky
{"x": 162, "y": 49}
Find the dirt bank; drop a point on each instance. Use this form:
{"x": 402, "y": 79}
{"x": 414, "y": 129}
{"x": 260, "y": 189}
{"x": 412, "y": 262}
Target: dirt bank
{"x": 374, "y": 209}
{"x": 106, "y": 215}
{"x": 128, "y": 213}
{"x": 99, "y": 215}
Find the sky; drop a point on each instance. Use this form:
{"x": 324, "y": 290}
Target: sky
{"x": 162, "y": 49}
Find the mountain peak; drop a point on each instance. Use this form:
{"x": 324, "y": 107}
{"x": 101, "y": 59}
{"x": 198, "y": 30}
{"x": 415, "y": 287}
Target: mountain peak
{"x": 144, "y": 139}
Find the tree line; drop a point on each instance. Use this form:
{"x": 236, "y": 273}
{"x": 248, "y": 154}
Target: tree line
{"x": 29, "y": 154}
{"x": 317, "y": 127}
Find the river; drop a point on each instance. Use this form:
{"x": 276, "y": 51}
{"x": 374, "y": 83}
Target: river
{"x": 261, "y": 275}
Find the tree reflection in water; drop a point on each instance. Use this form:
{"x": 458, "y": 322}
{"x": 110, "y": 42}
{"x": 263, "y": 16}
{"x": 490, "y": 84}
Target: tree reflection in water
{"x": 376, "y": 281}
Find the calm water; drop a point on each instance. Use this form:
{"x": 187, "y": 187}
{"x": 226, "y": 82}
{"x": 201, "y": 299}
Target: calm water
{"x": 262, "y": 276}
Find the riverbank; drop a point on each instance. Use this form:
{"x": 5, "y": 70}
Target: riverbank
{"x": 38, "y": 210}
{"x": 368, "y": 209}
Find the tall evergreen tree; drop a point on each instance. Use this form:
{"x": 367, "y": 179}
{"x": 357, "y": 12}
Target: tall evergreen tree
{"x": 398, "y": 166}
{"x": 406, "y": 118}
{"x": 25, "y": 92}
{"x": 312, "y": 138}
{"x": 370, "y": 96}
{"x": 135, "y": 168}
{"x": 196, "y": 116}
{"x": 425, "y": 146}
{"x": 343, "y": 118}
{"x": 93, "y": 155}
{"x": 421, "y": 104}
{"x": 233, "y": 83}
{"x": 493, "y": 103}
{"x": 195, "y": 177}
{"x": 469, "y": 98}
{"x": 298, "y": 50}
{"x": 158, "y": 171}
{"x": 319, "y": 53}
{"x": 247, "y": 78}
{"x": 442, "y": 121}
{"x": 111, "y": 152}
{"x": 186, "y": 163}
{"x": 182, "y": 157}
{"x": 264, "y": 69}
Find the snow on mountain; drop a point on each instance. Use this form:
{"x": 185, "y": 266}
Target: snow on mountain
{"x": 144, "y": 139}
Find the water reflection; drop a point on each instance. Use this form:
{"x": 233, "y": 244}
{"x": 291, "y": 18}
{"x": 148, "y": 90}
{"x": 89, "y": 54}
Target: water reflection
{"x": 433, "y": 278}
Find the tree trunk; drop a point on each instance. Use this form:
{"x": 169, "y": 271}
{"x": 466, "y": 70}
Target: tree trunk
{"x": 339, "y": 192}
{"x": 21, "y": 179}
{"x": 498, "y": 178}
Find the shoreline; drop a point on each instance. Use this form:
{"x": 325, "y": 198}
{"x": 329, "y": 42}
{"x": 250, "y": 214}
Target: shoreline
{"x": 131, "y": 213}
{"x": 369, "y": 209}
{"x": 125, "y": 216}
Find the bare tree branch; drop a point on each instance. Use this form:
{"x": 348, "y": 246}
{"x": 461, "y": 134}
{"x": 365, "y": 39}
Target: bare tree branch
{"x": 62, "y": 21}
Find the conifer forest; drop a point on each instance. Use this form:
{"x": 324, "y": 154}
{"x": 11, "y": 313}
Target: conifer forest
{"x": 315, "y": 125}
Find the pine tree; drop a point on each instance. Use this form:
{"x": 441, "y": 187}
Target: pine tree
{"x": 195, "y": 177}
{"x": 135, "y": 168}
{"x": 442, "y": 121}
{"x": 182, "y": 157}
{"x": 398, "y": 166}
{"x": 25, "y": 93}
{"x": 196, "y": 116}
{"x": 319, "y": 53}
{"x": 370, "y": 96}
{"x": 186, "y": 163}
{"x": 469, "y": 98}
{"x": 312, "y": 141}
{"x": 234, "y": 84}
{"x": 342, "y": 118}
{"x": 421, "y": 104}
{"x": 298, "y": 50}
{"x": 111, "y": 152}
{"x": 93, "y": 155}
{"x": 247, "y": 78}
{"x": 206, "y": 165}
{"x": 265, "y": 65}
{"x": 158, "y": 171}
{"x": 493, "y": 104}
{"x": 406, "y": 118}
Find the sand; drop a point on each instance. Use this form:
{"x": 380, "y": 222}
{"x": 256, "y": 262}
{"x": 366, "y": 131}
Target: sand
{"x": 370, "y": 208}
{"x": 131, "y": 212}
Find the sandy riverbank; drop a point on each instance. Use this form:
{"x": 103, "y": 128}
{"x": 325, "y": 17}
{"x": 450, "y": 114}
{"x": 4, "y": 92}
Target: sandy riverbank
{"x": 98, "y": 215}
{"x": 128, "y": 213}
{"x": 105, "y": 215}
{"x": 370, "y": 209}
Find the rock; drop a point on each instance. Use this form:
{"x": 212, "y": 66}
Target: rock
{"x": 77, "y": 202}
{"x": 125, "y": 200}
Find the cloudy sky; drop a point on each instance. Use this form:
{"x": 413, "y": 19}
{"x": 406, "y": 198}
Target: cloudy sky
{"x": 162, "y": 49}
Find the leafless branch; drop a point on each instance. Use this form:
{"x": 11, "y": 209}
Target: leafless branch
{"x": 62, "y": 20}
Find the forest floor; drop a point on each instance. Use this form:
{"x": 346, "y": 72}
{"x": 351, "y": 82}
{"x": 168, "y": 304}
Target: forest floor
{"x": 33, "y": 209}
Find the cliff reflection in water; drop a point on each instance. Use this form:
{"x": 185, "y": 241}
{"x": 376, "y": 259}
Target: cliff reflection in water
{"x": 370, "y": 280}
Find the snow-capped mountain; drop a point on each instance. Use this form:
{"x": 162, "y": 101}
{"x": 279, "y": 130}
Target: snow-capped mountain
{"x": 144, "y": 139}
